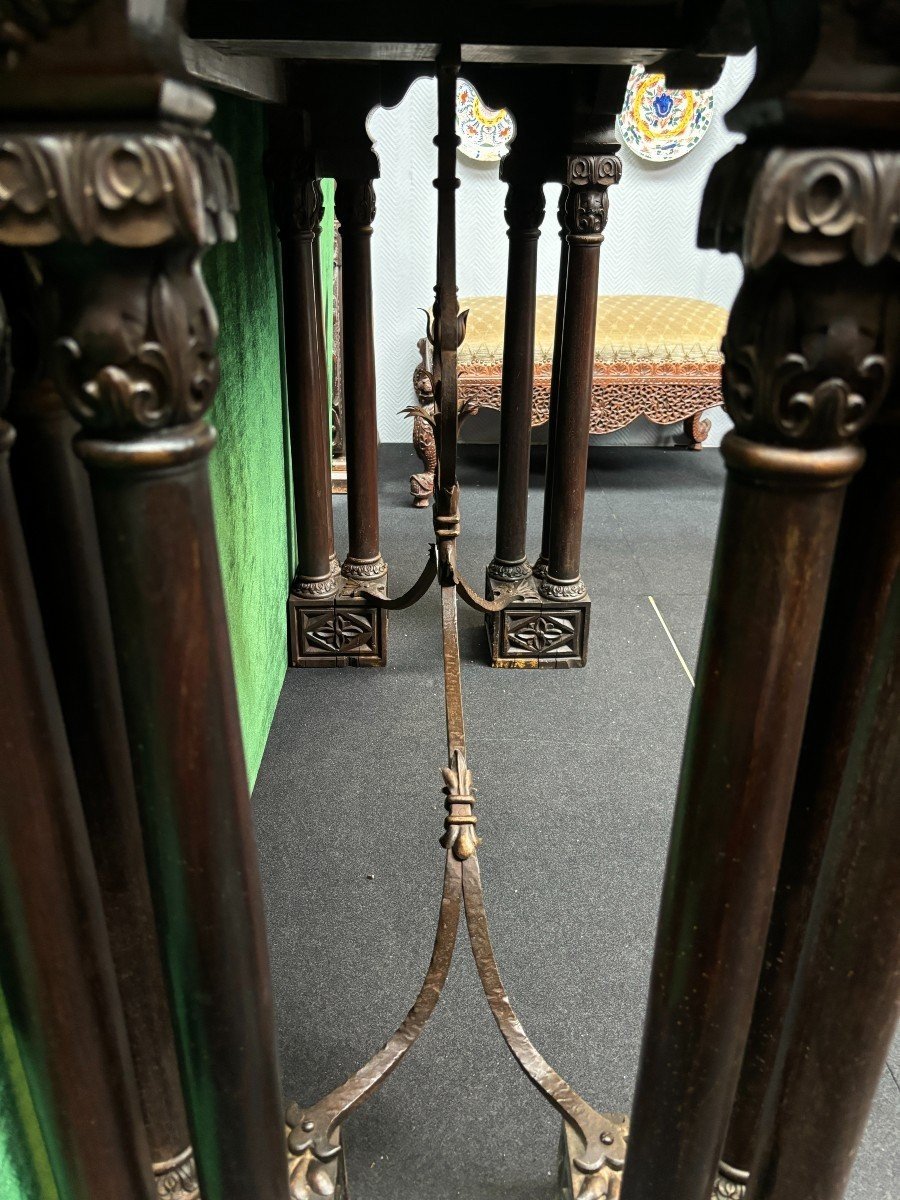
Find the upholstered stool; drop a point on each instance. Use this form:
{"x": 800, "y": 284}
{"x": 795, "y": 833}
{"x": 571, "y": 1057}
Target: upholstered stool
{"x": 655, "y": 356}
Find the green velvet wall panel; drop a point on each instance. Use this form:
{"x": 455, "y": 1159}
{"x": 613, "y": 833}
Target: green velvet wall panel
{"x": 24, "y": 1166}
{"x": 248, "y": 467}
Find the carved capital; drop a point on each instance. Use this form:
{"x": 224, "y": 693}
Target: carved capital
{"x": 589, "y": 177}
{"x": 125, "y": 189}
{"x": 593, "y": 170}
{"x": 806, "y": 354}
{"x": 524, "y": 210}
{"x": 135, "y": 345}
{"x": 297, "y": 202}
{"x": 813, "y": 333}
{"x": 812, "y": 207}
{"x": 354, "y": 204}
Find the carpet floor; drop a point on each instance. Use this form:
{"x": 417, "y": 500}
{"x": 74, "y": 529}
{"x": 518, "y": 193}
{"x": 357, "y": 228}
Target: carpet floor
{"x": 576, "y": 774}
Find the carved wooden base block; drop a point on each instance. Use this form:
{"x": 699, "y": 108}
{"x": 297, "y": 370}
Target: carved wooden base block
{"x": 345, "y": 630}
{"x": 575, "y": 1184}
{"x": 534, "y": 632}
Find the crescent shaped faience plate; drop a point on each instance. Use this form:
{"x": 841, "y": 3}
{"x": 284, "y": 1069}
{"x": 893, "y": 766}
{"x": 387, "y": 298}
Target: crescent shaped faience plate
{"x": 484, "y": 133}
{"x": 660, "y": 124}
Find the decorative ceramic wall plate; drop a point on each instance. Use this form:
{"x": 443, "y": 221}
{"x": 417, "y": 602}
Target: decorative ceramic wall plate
{"x": 659, "y": 123}
{"x": 484, "y": 133}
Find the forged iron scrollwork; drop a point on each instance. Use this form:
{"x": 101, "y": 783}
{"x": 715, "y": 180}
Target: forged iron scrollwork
{"x": 594, "y": 1144}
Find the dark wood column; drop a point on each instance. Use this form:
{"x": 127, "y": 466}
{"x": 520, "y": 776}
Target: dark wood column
{"x": 298, "y": 213}
{"x": 801, "y": 378}
{"x": 524, "y": 213}
{"x": 829, "y": 1034}
{"x": 58, "y": 975}
{"x": 355, "y": 210}
{"x": 589, "y": 177}
{"x": 540, "y": 565}
{"x": 56, "y": 509}
{"x": 134, "y": 334}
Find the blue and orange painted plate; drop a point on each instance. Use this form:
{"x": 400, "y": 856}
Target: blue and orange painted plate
{"x": 484, "y": 133}
{"x": 660, "y": 124}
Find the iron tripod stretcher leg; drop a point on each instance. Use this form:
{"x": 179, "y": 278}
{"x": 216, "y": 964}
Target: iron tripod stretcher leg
{"x": 592, "y": 1147}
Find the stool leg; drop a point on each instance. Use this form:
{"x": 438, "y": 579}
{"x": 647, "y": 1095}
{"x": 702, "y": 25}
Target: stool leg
{"x": 801, "y": 375}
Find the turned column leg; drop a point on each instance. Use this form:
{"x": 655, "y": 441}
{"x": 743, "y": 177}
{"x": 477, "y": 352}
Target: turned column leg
{"x": 524, "y": 213}
{"x": 846, "y": 996}
{"x": 54, "y": 501}
{"x": 519, "y": 635}
{"x": 865, "y": 579}
{"x": 134, "y": 360}
{"x": 802, "y": 375}
{"x": 588, "y": 178}
{"x": 298, "y": 212}
{"x": 355, "y": 209}
{"x": 322, "y": 367}
{"x": 57, "y": 970}
{"x": 540, "y": 566}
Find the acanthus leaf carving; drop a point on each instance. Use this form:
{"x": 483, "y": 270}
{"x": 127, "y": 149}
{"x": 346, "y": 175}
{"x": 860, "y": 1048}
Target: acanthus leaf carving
{"x": 813, "y": 207}
{"x": 589, "y": 177}
{"x": 139, "y": 353}
{"x": 354, "y": 204}
{"x": 125, "y": 189}
{"x": 805, "y": 358}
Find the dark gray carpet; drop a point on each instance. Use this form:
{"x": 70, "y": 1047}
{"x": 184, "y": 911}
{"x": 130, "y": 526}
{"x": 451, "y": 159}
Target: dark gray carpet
{"x": 576, "y": 772}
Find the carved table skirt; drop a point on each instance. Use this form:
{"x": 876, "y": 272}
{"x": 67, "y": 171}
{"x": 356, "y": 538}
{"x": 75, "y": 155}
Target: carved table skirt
{"x": 656, "y": 357}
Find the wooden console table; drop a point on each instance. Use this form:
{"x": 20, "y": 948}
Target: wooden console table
{"x": 134, "y": 955}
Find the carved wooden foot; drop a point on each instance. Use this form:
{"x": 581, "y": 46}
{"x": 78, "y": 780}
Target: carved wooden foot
{"x": 696, "y": 429}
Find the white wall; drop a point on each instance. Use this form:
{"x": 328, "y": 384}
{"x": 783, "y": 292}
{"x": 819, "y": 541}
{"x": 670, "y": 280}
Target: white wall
{"x": 650, "y": 243}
